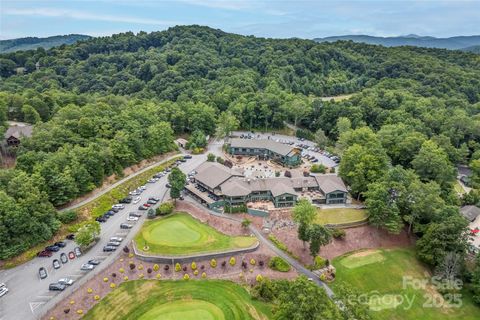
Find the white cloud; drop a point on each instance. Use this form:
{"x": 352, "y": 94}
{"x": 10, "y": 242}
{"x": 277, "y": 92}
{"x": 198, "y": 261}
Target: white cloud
{"x": 222, "y": 4}
{"x": 84, "y": 15}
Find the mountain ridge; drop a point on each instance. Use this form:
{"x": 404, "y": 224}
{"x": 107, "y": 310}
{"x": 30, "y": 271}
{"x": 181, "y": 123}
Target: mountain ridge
{"x": 30, "y": 43}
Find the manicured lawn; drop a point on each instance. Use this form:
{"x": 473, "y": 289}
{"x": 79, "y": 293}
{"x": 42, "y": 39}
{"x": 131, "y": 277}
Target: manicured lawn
{"x": 181, "y": 234}
{"x": 340, "y": 215}
{"x": 458, "y": 188}
{"x": 185, "y": 300}
{"x": 379, "y": 273}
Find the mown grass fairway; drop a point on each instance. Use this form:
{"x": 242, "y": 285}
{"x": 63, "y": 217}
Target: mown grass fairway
{"x": 340, "y": 215}
{"x": 179, "y": 300}
{"x": 182, "y": 234}
{"x": 379, "y": 273}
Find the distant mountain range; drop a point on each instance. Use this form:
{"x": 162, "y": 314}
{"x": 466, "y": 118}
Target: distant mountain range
{"x": 34, "y": 42}
{"x": 466, "y": 43}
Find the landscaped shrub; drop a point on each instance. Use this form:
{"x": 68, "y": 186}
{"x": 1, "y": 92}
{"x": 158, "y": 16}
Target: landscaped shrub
{"x": 228, "y": 163}
{"x": 244, "y": 265}
{"x": 204, "y": 275}
{"x": 125, "y": 278}
{"x": 278, "y": 264}
{"x": 242, "y": 208}
{"x": 277, "y": 174}
{"x": 132, "y": 266}
{"x": 89, "y": 290}
{"x": 195, "y": 272}
{"x": 67, "y": 216}
{"x": 202, "y": 267}
{"x": 220, "y": 160}
{"x": 105, "y": 279}
{"x": 141, "y": 275}
{"x": 319, "y": 263}
{"x": 112, "y": 285}
{"x": 96, "y": 297}
{"x": 166, "y": 268}
{"x": 232, "y": 261}
{"x": 318, "y": 168}
{"x": 213, "y": 263}
{"x": 158, "y": 276}
{"x": 114, "y": 275}
{"x": 126, "y": 249}
{"x": 210, "y": 157}
{"x": 287, "y": 174}
{"x": 261, "y": 263}
{"x": 149, "y": 270}
{"x": 323, "y": 277}
{"x": 165, "y": 208}
{"x": 259, "y": 278}
{"x": 66, "y": 310}
{"x": 193, "y": 266}
{"x": 224, "y": 263}
{"x": 306, "y": 134}
{"x": 252, "y": 262}
{"x": 338, "y": 233}
{"x": 121, "y": 270}
{"x": 197, "y": 150}
{"x": 186, "y": 276}
{"x": 140, "y": 267}
{"x": 80, "y": 311}
{"x": 178, "y": 267}
{"x": 156, "y": 267}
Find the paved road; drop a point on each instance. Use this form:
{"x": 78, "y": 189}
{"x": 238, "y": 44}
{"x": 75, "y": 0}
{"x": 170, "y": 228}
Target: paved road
{"x": 29, "y": 296}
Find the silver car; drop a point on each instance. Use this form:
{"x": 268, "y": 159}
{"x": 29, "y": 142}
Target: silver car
{"x": 87, "y": 267}
{"x": 66, "y": 281}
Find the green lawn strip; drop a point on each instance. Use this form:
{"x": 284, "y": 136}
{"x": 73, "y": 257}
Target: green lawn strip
{"x": 282, "y": 246}
{"x": 89, "y": 211}
{"x": 341, "y": 215}
{"x": 186, "y": 300}
{"x": 458, "y": 188}
{"x": 382, "y": 277}
{"x": 180, "y": 234}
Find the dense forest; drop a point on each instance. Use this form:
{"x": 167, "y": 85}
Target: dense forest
{"x": 106, "y": 103}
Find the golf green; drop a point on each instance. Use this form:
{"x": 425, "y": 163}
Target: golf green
{"x": 180, "y": 233}
{"x": 175, "y": 300}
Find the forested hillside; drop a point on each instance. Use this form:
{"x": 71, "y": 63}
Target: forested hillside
{"x": 31, "y": 43}
{"x": 106, "y": 103}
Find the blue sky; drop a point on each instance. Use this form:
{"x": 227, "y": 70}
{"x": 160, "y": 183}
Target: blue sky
{"x": 266, "y": 18}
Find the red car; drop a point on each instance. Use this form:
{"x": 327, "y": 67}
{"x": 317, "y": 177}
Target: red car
{"x": 44, "y": 253}
{"x": 147, "y": 205}
{"x": 71, "y": 255}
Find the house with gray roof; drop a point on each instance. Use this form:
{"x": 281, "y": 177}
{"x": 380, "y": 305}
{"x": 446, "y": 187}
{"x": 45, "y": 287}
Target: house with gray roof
{"x": 16, "y": 132}
{"x": 220, "y": 185}
{"x": 284, "y": 154}
{"x": 470, "y": 212}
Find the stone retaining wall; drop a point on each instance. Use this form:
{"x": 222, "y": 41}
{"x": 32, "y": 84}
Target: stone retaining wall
{"x": 190, "y": 258}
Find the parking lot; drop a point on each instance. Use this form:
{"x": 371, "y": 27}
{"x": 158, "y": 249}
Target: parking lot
{"x": 29, "y": 296}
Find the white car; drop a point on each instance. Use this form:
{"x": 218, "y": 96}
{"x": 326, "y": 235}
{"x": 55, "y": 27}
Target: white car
{"x": 3, "y": 289}
{"x": 137, "y": 200}
{"x": 117, "y": 239}
{"x": 87, "y": 267}
{"x": 66, "y": 281}
{"x": 142, "y": 187}
{"x": 131, "y": 218}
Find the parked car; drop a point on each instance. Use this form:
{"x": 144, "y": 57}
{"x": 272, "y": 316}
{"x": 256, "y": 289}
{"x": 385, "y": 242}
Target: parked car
{"x": 87, "y": 267}
{"x": 71, "y": 236}
{"x": 3, "y": 289}
{"x": 56, "y": 264}
{"x": 109, "y": 248}
{"x": 151, "y": 201}
{"x": 115, "y": 210}
{"x": 113, "y": 243}
{"x": 118, "y": 206}
{"x": 101, "y": 219}
{"x": 71, "y": 255}
{"x": 77, "y": 251}
{"x": 126, "y": 200}
{"x": 168, "y": 185}
{"x": 148, "y": 205}
{"x": 143, "y": 207}
{"x": 56, "y": 287}
{"x": 52, "y": 248}
{"x": 125, "y": 226}
{"x": 130, "y": 218}
{"x": 44, "y": 253}
{"x": 151, "y": 180}
{"x": 154, "y": 198}
{"x": 66, "y": 281}
{"x": 137, "y": 200}
{"x": 94, "y": 262}
{"x": 142, "y": 188}
{"x": 63, "y": 258}
{"x": 135, "y": 214}
{"x": 42, "y": 272}
{"x": 117, "y": 239}
{"x": 61, "y": 244}
{"x": 187, "y": 156}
